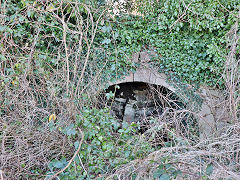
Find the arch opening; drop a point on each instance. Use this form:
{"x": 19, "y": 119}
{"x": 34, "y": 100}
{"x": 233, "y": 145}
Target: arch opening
{"x": 146, "y": 100}
{"x": 155, "y": 109}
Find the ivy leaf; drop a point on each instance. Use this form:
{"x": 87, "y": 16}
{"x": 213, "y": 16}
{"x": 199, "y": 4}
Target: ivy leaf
{"x": 115, "y": 35}
{"x": 158, "y": 173}
{"x": 110, "y": 95}
{"x": 2, "y": 28}
{"x": 70, "y": 130}
{"x": 106, "y": 29}
{"x": 120, "y": 130}
{"x": 106, "y": 41}
{"x": 164, "y": 177}
{"x": 127, "y": 153}
{"x": 209, "y": 169}
{"x": 58, "y": 164}
{"x": 76, "y": 144}
{"x": 100, "y": 138}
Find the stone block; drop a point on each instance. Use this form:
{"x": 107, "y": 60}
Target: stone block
{"x": 207, "y": 125}
{"x": 146, "y": 56}
{"x": 135, "y": 57}
{"x": 124, "y": 79}
{"x": 129, "y": 113}
{"x": 142, "y": 75}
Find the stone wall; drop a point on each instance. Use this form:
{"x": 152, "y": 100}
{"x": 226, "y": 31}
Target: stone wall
{"x": 210, "y": 114}
{"x": 137, "y": 101}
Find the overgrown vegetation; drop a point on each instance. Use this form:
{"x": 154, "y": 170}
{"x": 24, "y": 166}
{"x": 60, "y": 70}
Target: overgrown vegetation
{"x": 188, "y": 36}
{"x": 56, "y": 56}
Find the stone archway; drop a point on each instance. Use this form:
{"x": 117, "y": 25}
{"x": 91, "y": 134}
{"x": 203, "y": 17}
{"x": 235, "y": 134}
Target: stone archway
{"x": 206, "y": 116}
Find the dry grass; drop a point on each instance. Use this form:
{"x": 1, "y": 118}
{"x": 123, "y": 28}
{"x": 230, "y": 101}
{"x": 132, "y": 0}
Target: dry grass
{"x": 192, "y": 160}
{"x": 28, "y": 99}
{"x": 27, "y": 143}
{"x": 221, "y": 150}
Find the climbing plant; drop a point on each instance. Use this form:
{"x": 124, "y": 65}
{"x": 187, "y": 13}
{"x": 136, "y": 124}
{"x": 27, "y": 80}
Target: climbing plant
{"x": 55, "y": 55}
{"x": 189, "y": 36}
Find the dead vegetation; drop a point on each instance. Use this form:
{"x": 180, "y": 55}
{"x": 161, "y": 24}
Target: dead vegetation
{"x": 221, "y": 151}
{"x": 27, "y": 100}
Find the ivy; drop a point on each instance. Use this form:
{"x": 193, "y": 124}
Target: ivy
{"x": 107, "y": 145}
{"x": 192, "y": 46}
{"x": 188, "y": 36}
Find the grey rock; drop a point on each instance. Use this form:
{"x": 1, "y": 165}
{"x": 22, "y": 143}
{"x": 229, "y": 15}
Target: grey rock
{"x": 129, "y": 113}
{"x": 121, "y": 100}
{"x": 140, "y": 95}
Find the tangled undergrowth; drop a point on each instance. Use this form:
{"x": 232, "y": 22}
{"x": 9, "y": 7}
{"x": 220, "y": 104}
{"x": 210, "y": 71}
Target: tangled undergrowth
{"x": 210, "y": 159}
{"x": 56, "y": 56}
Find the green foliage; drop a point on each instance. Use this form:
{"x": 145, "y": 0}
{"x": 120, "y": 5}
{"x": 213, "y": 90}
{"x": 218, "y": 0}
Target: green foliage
{"x": 209, "y": 169}
{"x": 166, "y": 171}
{"x": 107, "y": 145}
{"x": 188, "y": 36}
{"x": 192, "y": 46}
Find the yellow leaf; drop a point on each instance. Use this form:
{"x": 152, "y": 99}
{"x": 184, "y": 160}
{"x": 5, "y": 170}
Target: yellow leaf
{"x": 52, "y": 117}
{"x": 50, "y": 7}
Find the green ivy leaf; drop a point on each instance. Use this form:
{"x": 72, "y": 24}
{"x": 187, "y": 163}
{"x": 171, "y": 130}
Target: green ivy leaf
{"x": 164, "y": 177}
{"x": 70, "y": 130}
{"x": 58, "y": 164}
{"x": 106, "y": 29}
{"x": 209, "y": 169}
{"x": 158, "y": 173}
{"x": 2, "y": 28}
{"x": 106, "y": 41}
{"x": 76, "y": 144}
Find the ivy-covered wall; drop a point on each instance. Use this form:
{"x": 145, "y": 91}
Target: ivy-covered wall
{"x": 189, "y": 36}
{"x": 55, "y": 56}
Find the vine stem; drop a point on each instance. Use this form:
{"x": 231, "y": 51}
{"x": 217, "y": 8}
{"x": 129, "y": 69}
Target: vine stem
{"x": 66, "y": 52}
{"x": 1, "y": 174}
{"x": 71, "y": 160}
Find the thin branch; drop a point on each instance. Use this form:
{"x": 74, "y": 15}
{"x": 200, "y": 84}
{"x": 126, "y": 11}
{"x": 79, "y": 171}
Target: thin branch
{"x": 228, "y": 10}
{"x": 33, "y": 49}
{"x": 71, "y": 160}
{"x": 174, "y": 24}
{"x": 88, "y": 51}
{"x": 66, "y": 52}
{"x": 1, "y": 174}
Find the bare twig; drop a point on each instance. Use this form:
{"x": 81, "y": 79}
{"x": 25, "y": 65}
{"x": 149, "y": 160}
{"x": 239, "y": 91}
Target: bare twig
{"x": 89, "y": 45}
{"x": 66, "y": 51}
{"x": 228, "y": 10}
{"x": 71, "y": 160}
{"x": 1, "y": 174}
{"x": 232, "y": 72}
